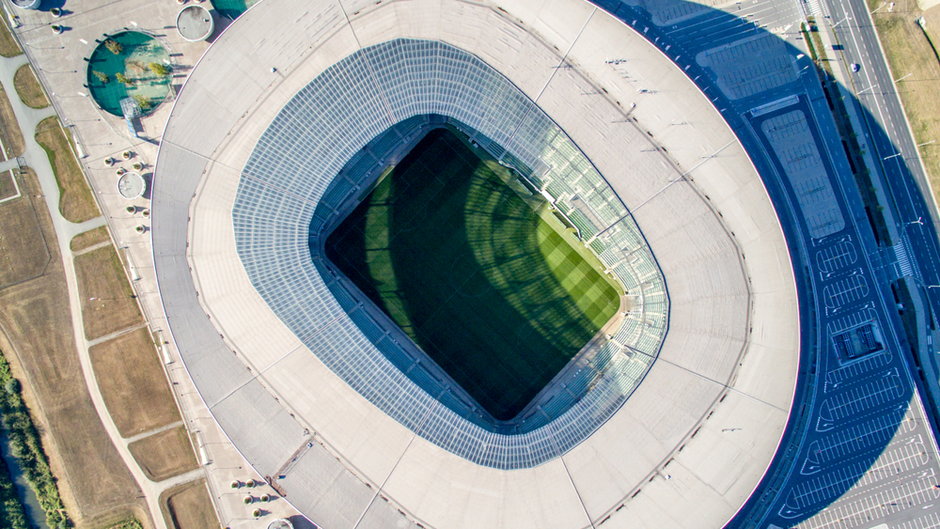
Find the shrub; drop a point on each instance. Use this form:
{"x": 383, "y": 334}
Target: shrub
{"x": 143, "y": 102}
{"x": 159, "y": 69}
{"x": 27, "y": 448}
{"x": 113, "y": 46}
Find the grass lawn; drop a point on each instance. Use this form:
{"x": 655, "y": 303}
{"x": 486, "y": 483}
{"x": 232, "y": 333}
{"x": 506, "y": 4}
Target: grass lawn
{"x": 75, "y": 202}
{"x": 8, "y": 45}
{"x": 132, "y": 383}
{"x": 188, "y": 507}
{"x": 37, "y": 338}
{"x": 27, "y": 86}
{"x": 7, "y": 185}
{"x": 89, "y": 238}
{"x": 482, "y": 279}
{"x": 107, "y": 305}
{"x": 24, "y": 250}
{"x": 10, "y": 134}
{"x": 165, "y": 454}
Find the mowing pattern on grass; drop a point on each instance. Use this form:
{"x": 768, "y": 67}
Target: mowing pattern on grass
{"x": 27, "y": 86}
{"x": 75, "y": 201}
{"x": 480, "y": 278}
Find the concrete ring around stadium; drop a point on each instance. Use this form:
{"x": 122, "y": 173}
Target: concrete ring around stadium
{"x": 693, "y": 441}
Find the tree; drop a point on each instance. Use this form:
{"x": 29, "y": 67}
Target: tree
{"x": 103, "y": 77}
{"x": 113, "y": 46}
{"x": 159, "y": 69}
{"x": 121, "y": 78}
{"x": 143, "y": 102}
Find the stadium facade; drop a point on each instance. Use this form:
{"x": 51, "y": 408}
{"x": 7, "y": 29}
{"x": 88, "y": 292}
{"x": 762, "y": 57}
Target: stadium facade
{"x": 290, "y": 362}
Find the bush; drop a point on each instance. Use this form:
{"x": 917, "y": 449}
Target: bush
{"x": 159, "y": 69}
{"x": 27, "y": 448}
{"x": 103, "y": 77}
{"x": 11, "y": 510}
{"x": 113, "y": 46}
{"x": 121, "y": 78}
{"x": 143, "y": 102}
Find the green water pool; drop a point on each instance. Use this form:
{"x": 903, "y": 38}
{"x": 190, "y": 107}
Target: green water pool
{"x": 137, "y": 51}
{"x": 232, "y": 8}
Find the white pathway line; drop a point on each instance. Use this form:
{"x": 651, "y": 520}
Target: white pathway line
{"x": 28, "y": 118}
{"x": 155, "y": 431}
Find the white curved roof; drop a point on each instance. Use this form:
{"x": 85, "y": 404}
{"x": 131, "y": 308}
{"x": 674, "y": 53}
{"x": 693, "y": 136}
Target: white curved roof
{"x": 728, "y": 361}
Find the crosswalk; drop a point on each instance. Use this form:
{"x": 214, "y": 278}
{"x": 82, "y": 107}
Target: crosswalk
{"x": 904, "y": 259}
{"x": 812, "y": 8}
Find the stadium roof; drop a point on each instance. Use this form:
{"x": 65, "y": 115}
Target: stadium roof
{"x": 662, "y": 460}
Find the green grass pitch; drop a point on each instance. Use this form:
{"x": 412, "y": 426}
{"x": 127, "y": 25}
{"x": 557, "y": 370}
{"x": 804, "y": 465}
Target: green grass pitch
{"x": 478, "y": 273}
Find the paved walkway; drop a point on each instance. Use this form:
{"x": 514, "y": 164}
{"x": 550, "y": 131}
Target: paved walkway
{"x": 35, "y": 157}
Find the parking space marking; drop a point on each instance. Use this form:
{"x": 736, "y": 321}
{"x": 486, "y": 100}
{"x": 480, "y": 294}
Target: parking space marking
{"x": 862, "y": 398}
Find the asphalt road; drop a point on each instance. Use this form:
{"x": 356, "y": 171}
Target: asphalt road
{"x": 858, "y": 450}
{"x": 896, "y": 153}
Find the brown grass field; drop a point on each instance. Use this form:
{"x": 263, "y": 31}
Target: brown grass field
{"x": 107, "y": 304}
{"x": 10, "y": 134}
{"x": 909, "y": 52}
{"x": 24, "y": 251}
{"x": 75, "y": 202}
{"x": 8, "y": 46}
{"x": 27, "y": 86}
{"x": 7, "y": 185}
{"x": 132, "y": 383}
{"x": 89, "y": 239}
{"x": 36, "y": 334}
{"x": 165, "y": 454}
{"x": 188, "y": 507}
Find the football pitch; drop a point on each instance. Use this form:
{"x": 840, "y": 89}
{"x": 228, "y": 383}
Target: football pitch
{"x": 478, "y": 272}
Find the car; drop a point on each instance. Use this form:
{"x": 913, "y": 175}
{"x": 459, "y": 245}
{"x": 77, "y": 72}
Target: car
{"x": 856, "y": 67}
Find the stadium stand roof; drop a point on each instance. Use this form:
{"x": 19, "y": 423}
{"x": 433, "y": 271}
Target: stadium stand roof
{"x": 662, "y": 460}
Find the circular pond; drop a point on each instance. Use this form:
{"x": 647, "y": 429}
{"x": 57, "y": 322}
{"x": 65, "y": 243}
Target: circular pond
{"x": 232, "y": 8}
{"x": 131, "y": 65}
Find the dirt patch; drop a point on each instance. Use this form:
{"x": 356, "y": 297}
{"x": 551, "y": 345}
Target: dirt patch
{"x": 75, "y": 202}
{"x": 28, "y": 87}
{"x": 36, "y": 335}
{"x": 107, "y": 299}
{"x": 24, "y": 250}
{"x": 913, "y": 59}
{"x": 10, "y": 134}
{"x": 89, "y": 239}
{"x": 8, "y": 45}
{"x": 133, "y": 384}
{"x": 189, "y": 507}
{"x": 165, "y": 454}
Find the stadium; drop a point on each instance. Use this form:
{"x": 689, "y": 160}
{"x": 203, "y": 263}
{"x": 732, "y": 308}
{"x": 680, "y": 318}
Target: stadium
{"x": 663, "y": 408}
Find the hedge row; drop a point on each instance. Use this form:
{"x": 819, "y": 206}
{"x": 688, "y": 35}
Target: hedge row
{"x": 11, "y": 510}
{"x": 27, "y": 448}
